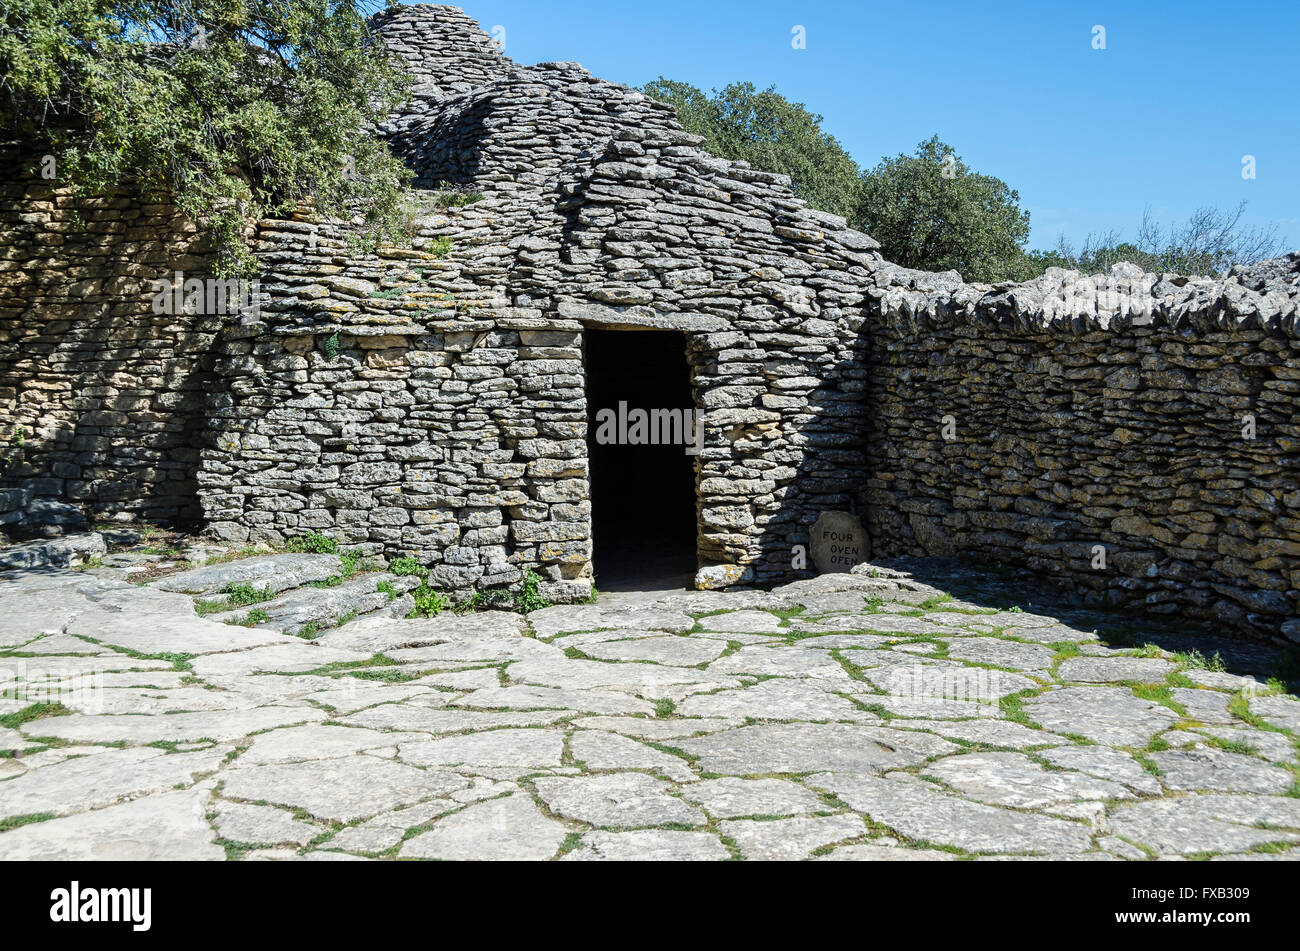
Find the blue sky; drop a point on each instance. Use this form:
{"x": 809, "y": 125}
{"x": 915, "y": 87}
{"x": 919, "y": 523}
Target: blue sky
{"x": 1162, "y": 117}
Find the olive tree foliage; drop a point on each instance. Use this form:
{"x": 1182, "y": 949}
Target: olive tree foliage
{"x": 929, "y": 211}
{"x": 234, "y": 108}
{"x": 771, "y": 133}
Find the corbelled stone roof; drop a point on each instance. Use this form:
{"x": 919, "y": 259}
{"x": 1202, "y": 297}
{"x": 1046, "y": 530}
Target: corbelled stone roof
{"x": 542, "y": 134}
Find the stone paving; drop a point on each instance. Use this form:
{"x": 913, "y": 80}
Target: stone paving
{"x": 864, "y": 716}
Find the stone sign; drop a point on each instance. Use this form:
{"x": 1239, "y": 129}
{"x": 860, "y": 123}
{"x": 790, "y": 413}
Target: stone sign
{"x": 838, "y": 542}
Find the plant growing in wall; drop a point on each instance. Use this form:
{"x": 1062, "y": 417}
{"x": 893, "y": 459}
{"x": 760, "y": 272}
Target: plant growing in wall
{"x": 330, "y": 347}
{"x": 238, "y": 110}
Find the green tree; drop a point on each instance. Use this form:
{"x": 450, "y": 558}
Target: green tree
{"x": 237, "y": 108}
{"x": 771, "y": 133}
{"x": 930, "y": 211}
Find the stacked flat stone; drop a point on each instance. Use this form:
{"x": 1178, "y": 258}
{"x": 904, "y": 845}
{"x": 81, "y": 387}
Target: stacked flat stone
{"x": 1155, "y": 416}
{"x": 431, "y": 400}
{"x": 453, "y": 423}
{"x": 102, "y": 399}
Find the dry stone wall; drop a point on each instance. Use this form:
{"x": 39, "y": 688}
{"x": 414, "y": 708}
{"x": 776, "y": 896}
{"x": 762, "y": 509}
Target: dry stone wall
{"x": 431, "y": 400}
{"x": 102, "y": 400}
{"x": 1135, "y": 437}
{"x": 451, "y": 422}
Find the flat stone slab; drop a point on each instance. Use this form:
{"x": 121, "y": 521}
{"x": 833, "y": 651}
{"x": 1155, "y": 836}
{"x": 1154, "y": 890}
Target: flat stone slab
{"x": 88, "y": 782}
{"x": 986, "y": 731}
{"x": 476, "y": 739}
{"x": 659, "y": 730}
{"x": 389, "y": 828}
{"x": 810, "y": 747}
{"x": 1104, "y": 763}
{"x": 1103, "y": 670}
{"x": 473, "y": 652}
{"x": 776, "y": 699}
{"x": 274, "y": 573}
{"x": 263, "y": 825}
{"x": 1274, "y": 747}
{"x": 1108, "y": 715}
{"x": 1002, "y": 653}
{"x": 1210, "y": 823}
{"x": 318, "y": 742}
{"x": 65, "y": 644}
{"x": 743, "y": 622}
{"x": 383, "y": 634}
{"x": 166, "y": 827}
{"x": 1013, "y": 779}
{"x": 601, "y": 750}
{"x": 525, "y": 697}
{"x": 67, "y": 551}
{"x": 287, "y": 655}
{"x": 216, "y": 725}
{"x": 419, "y": 719}
{"x": 911, "y": 678}
{"x": 946, "y": 820}
{"x": 884, "y": 853}
{"x": 341, "y": 790}
{"x": 508, "y": 747}
{"x": 732, "y": 798}
{"x": 627, "y": 800}
{"x": 155, "y": 633}
{"x": 671, "y": 650}
{"x": 844, "y": 641}
{"x": 567, "y": 618}
{"x": 780, "y": 662}
{"x": 509, "y": 829}
{"x": 789, "y": 840}
{"x": 295, "y": 611}
{"x": 649, "y": 845}
{"x": 643, "y": 679}
{"x": 1208, "y": 706}
{"x": 1278, "y": 710}
{"x": 1220, "y": 771}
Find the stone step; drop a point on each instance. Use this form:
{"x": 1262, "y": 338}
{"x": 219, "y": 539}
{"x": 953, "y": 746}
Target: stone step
{"x": 273, "y": 573}
{"x": 67, "y": 551}
{"x": 320, "y": 607}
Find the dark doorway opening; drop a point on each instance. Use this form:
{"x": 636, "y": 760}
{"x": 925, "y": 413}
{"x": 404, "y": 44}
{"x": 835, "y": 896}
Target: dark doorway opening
{"x": 642, "y": 495}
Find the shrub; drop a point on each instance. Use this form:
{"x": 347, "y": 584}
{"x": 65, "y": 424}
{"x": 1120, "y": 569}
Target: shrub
{"x": 428, "y": 602}
{"x": 239, "y": 110}
{"x": 405, "y": 566}
{"x": 526, "y": 598}
{"x": 314, "y": 542}
{"x": 245, "y": 594}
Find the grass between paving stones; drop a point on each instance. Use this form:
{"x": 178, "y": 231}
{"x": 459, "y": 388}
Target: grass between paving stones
{"x": 34, "y": 711}
{"x": 236, "y": 596}
{"x": 338, "y": 667}
{"x": 931, "y": 604}
{"x": 1195, "y": 660}
{"x": 14, "y": 822}
{"x": 251, "y": 619}
{"x": 1158, "y": 693}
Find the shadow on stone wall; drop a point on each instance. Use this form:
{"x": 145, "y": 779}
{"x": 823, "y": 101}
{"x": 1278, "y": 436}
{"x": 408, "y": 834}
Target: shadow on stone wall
{"x": 110, "y": 396}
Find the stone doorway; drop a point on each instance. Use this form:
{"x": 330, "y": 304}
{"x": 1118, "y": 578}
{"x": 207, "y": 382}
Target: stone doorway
{"x": 640, "y": 419}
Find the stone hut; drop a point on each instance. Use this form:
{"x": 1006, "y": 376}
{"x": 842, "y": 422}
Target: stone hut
{"x": 576, "y": 258}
